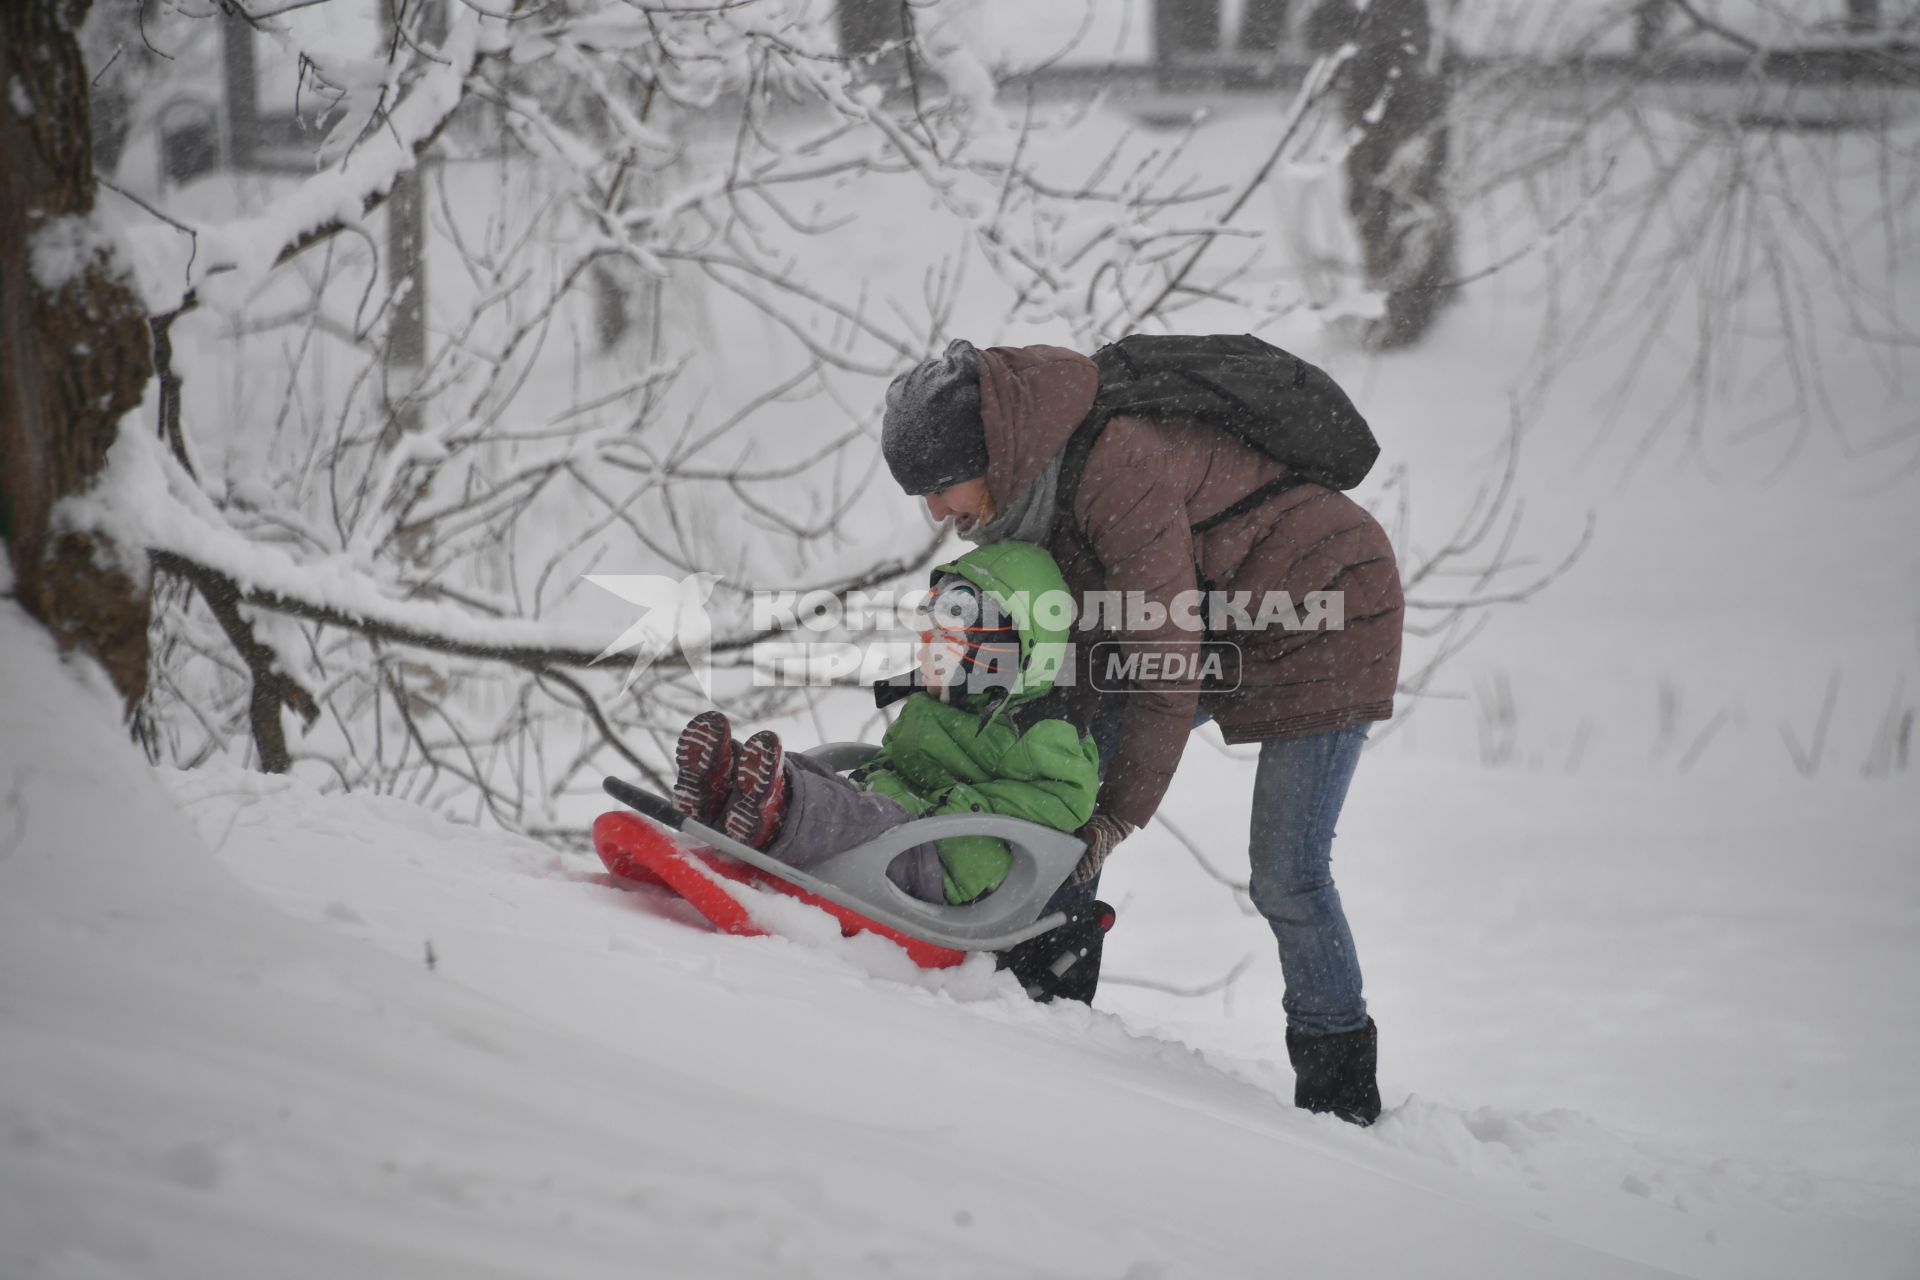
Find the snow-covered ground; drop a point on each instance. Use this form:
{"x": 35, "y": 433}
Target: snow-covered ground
{"x": 1640, "y": 917}
{"x": 251, "y": 1030}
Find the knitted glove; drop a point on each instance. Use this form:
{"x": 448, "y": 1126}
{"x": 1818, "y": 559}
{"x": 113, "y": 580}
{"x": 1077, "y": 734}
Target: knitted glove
{"x": 1102, "y": 834}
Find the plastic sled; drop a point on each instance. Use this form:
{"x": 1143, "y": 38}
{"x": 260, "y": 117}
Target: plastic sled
{"x": 636, "y": 849}
{"x": 696, "y": 861}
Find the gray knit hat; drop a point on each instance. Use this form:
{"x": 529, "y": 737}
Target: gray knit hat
{"x": 932, "y": 435}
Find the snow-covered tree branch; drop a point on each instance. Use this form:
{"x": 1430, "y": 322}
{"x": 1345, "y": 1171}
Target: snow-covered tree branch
{"x": 632, "y": 216}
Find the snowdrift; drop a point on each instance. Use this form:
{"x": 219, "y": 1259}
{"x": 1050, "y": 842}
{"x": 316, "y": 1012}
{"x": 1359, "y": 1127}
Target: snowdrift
{"x": 402, "y": 1047}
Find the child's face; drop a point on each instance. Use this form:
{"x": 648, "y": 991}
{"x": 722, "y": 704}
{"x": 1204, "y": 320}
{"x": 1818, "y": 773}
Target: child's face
{"x": 943, "y": 639}
{"x": 939, "y": 660}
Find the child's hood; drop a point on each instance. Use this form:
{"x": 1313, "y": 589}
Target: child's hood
{"x": 1025, "y": 581}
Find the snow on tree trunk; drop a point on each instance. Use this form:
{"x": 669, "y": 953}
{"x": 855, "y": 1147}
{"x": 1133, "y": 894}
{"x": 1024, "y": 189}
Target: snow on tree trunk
{"x": 1394, "y": 94}
{"x": 75, "y": 354}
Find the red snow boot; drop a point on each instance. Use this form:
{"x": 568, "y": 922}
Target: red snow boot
{"x": 759, "y": 798}
{"x": 704, "y": 758}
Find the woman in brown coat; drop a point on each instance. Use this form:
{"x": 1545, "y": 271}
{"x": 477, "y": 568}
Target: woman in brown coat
{"x": 1169, "y": 519}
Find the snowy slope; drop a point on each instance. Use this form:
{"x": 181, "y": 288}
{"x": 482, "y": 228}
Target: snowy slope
{"x": 1647, "y": 994}
{"x": 214, "y": 1075}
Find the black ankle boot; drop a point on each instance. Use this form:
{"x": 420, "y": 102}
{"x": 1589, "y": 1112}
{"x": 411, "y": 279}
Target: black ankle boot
{"x": 1336, "y": 1073}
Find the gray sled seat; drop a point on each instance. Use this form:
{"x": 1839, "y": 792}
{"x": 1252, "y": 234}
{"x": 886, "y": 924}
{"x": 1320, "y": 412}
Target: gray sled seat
{"x": 856, "y": 878}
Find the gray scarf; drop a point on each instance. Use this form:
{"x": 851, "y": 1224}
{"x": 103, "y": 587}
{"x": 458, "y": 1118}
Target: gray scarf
{"x": 1028, "y": 518}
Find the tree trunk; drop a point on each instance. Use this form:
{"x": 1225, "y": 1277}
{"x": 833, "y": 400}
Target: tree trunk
{"x": 242, "y": 91}
{"x": 868, "y": 26}
{"x": 1650, "y": 21}
{"x": 1263, "y": 26}
{"x": 74, "y": 347}
{"x": 404, "y": 361}
{"x": 1185, "y": 27}
{"x": 1393, "y": 93}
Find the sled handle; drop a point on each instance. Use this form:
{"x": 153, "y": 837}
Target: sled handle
{"x": 856, "y": 878}
{"x": 658, "y": 808}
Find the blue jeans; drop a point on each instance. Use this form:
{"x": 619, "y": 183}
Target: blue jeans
{"x": 1298, "y": 790}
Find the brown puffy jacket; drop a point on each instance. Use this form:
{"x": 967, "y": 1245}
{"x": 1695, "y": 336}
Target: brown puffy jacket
{"x": 1145, "y": 485}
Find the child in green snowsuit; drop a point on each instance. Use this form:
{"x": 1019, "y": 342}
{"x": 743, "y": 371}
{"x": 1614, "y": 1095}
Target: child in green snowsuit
{"x": 970, "y": 739}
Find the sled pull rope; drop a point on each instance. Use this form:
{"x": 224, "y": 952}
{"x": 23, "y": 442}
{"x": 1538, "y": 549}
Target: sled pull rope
{"x": 659, "y": 808}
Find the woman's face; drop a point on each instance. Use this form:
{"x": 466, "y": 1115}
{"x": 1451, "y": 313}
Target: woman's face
{"x": 966, "y": 503}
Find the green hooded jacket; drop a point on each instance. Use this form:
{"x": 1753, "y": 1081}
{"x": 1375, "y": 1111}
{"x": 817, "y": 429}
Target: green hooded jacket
{"x": 938, "y": 758}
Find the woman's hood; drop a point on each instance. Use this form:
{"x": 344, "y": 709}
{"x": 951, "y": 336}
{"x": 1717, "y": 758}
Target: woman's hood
{"x": 1031, "y": 399}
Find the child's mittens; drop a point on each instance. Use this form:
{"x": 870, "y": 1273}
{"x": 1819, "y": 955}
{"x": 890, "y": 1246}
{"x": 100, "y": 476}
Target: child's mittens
{"x": 1102, "y": 834}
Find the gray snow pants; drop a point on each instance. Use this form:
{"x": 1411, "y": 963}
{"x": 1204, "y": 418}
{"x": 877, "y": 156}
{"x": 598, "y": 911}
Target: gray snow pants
{"x": 826, "y": 814}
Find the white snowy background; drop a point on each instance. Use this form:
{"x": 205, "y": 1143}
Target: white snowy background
{"x": 1636, "y": 886}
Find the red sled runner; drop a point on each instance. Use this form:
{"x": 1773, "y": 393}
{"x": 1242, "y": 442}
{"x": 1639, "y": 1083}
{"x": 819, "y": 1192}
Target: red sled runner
{"x": 635, "y": 849}
{"x": 1055, "y": 955}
